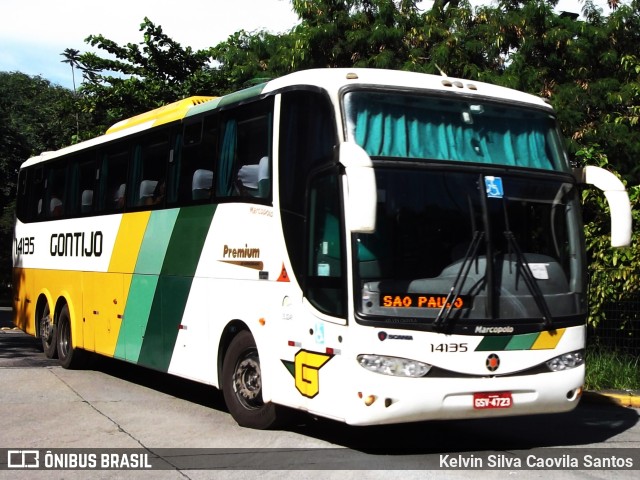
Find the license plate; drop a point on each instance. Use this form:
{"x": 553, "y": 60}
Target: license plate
{"x": 492, "y": 400}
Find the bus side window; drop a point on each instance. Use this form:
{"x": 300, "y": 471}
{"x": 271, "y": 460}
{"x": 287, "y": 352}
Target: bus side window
{"x": 35, "y": 194}
{"x": 307, "y": 140}
{"x": 149, "y": 172}
{"x": 113, "y": 179}
{"x": 83, "y": 183}
{"x": 196, "y": 162}
{"x": 22, "y": 198}
{"x": 325, "y": 285}
{"x": 56, "y": 190}
{"x": 245, "y": 167}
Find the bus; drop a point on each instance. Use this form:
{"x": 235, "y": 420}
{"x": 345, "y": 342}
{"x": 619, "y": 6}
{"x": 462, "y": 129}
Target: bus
{"x": 364, "y": 245}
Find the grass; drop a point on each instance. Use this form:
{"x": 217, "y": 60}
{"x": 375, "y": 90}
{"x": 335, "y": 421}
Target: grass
{"x": 610, "y": 370}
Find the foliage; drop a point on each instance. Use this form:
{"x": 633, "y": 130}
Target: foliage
{"x": 606, "y": 369}
{"x": 138, "y": 77}
{"x": 246, "y": 58}
{"x": 35, "y": 116}
{"x": 614, "y": 272}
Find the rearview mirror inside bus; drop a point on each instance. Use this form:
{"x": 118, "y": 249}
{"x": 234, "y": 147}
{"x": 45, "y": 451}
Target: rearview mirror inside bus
{"x": 361, "y": 183}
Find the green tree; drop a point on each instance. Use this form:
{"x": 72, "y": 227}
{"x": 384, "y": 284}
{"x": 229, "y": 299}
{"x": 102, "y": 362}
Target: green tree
{"x": 246, "y": 58}
{"x": 35, "y": 116}
{"x": 360, "y": 33}
{"x": 614, "y": 272}
{"x": 139, "y": 76}
{"x": 72, "y": 57}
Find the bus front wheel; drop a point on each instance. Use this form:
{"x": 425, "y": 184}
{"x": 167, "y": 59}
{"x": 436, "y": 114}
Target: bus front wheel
{"x": 242, "y": 384}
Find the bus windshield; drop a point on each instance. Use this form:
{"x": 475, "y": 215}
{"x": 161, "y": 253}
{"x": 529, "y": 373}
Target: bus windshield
{"x": 470, "y": 223}
{"x": 411, "y": 126}
{"x": 510, "y": 245}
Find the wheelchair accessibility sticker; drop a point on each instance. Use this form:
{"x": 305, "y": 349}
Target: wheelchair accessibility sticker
{"x": 493, "y": 186}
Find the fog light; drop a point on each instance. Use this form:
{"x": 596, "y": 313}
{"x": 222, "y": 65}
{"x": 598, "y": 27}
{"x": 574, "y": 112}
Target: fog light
{"x": 574, "y": 394}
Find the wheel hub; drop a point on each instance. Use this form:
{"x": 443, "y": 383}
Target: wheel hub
{"x": 248, "y": 383}
{"x": 45, "y": 328}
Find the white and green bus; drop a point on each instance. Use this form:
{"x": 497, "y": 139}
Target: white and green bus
{"x": 365, "y": 245}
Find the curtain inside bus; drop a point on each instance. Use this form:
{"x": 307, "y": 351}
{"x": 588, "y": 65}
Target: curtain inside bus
{"x": 227, "y": 158}
{"x": 404, "y": 126}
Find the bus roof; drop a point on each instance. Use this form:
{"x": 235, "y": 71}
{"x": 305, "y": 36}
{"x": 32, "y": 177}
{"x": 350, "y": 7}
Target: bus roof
{"x": 335, "y": 79}
{"x": 330, "y": 79}
{"x": 164, "y": 114}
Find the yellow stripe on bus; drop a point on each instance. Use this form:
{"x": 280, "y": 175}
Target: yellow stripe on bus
{"x": 128, "y": 241}
{"x": 548, "y": 340}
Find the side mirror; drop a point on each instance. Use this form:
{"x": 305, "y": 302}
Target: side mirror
{"x": 617, "y": 198}
{"x": 361, "y": 200}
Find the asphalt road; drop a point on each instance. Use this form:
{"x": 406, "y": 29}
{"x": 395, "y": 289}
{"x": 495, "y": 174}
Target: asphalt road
{"x": 116, "y": 405}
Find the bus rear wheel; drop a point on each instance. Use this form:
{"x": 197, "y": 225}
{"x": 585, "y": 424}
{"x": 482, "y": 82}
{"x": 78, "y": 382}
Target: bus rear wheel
{"x": 242, "y": 385}
{"x": 47, "y": 333}
{"x": 68, "y": 355}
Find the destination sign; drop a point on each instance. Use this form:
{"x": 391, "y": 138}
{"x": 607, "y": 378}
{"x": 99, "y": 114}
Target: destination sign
{"x": 422, "y": 300}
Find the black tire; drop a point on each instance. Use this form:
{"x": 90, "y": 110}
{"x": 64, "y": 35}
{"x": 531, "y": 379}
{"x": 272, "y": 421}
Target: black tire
{"x": 242, "y": 385}
{"x": 68, "y": 355}
{"x": 47, "y": 331}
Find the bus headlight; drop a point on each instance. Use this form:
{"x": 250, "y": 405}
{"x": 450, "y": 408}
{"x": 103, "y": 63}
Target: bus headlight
{"x": 566, "y": 361}
{"x": 400, "y": 367}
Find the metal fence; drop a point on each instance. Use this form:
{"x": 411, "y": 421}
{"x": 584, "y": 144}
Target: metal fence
{"x": 620, "y": 331}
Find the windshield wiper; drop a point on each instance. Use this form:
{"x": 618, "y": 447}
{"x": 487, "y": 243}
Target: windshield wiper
{"x": 443, "y": 315}
{"x": 530, "y": 280}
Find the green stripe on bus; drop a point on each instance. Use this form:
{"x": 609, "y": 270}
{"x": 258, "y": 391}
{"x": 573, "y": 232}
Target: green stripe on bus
{"x": 156, "y": 241}
{"x": 187, "y": 240}
{"x": 164, "y": 319}
{"x": 136, "y": 315}
{"x": 522, "y": 342}
{"x": 180, "y": 263}
{"x": 511, "y": 342}
{"x": 493, "y": 343}
{"x": 240, "y": 95}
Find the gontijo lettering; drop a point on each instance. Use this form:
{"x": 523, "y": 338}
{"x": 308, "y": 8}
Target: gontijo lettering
{"x": 422, "y": 301}
{"x": 77, "y": 244}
